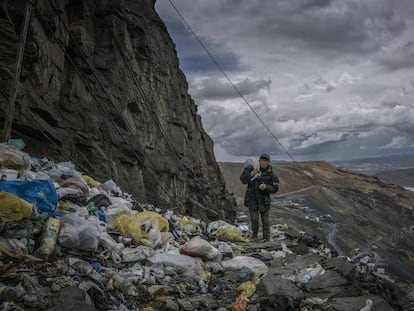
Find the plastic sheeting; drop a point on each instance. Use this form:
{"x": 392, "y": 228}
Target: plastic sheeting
{"x": 39, "y": 192}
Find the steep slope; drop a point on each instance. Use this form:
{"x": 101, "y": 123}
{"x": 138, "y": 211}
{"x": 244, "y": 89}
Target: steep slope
{"x": 101, "y": 85}
{"x": 346, "y": 209}
{"x": 403, "y": 177}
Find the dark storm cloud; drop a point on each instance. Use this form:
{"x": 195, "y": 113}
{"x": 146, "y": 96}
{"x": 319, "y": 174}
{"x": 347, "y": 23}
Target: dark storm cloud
{"x": 340, "y": 74}
{"x": 193, "y": 58}
{"x": 401, "y": 57}
{"x": 217, "y": 89}
{"x": 352, "y": 26}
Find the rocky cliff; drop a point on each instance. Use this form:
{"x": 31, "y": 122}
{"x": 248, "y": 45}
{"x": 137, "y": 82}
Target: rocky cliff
{"x": 101, "y": 85}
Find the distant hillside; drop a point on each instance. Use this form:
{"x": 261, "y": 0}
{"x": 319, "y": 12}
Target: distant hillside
{"x": 347, "y": 210}
{"x": 374, "y": 165}
{"x": 403, "y": 177}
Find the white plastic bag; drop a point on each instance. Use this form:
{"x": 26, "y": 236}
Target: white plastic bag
{"x": 256, "y": 266}
{"x": 197, "y": 247}
{"x": 182, "y": 262}
{"x": 252, "y": 162}
{"x": 111, "y": 214}
{"x": 137, "y": 253}
{"x": 79, "y": 233}
{"x": 111, "y": 187}
{"x": 120, "y": 202}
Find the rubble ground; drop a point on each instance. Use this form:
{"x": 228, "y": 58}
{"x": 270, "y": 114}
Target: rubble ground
{"x": 68, "y": 241}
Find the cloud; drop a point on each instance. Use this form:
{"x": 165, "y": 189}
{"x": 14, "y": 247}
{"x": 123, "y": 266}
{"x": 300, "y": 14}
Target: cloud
{"x": 400, "y": 142}
{"x": 399, "y": 57}
{"x": 319, "y": 86}
{"x": 240, "y": 134}
{"x": 339, "y": 79}
{"x": 220, "y": 89}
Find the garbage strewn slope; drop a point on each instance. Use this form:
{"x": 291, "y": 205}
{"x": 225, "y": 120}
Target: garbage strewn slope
{"x": 71, "y": 242}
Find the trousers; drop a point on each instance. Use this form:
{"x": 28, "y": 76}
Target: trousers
{"x": 254, "y": 218}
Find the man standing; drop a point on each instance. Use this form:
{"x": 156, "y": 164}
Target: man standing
{"x": 260, "y": 184}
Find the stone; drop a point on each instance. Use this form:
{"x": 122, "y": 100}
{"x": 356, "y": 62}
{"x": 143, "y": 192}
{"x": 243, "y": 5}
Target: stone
{"x": 356, "y": 303}
{"x": 340, "y": 264}
{"x": 329, "y": 285}
{"x": 274, "y": 285}
{"x": 72, "y": 298}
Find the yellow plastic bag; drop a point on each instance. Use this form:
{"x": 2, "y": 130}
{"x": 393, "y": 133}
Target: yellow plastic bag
{"x": 247, "y": 289}
{"x": 225, "y": 231}
{"x": 13, "y": 208}
{"x": 90, "y": 181}
{"x": 146, "y": 227}
{"x": 186, "y": 221}
{"x": 13, "y": 158}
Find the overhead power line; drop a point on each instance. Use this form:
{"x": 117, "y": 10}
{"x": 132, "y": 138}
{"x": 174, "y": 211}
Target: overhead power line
{"x": 243, "y": 98}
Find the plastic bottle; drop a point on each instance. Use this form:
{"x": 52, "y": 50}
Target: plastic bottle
{"x": 121, "y": 283}
{"x": 313, "y": 273}
{"x": 50, "y": 235}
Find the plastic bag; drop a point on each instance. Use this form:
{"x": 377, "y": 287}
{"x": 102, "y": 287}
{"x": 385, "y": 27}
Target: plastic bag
{"x": 137, "y": 253}
{"x": 64, "y": 168}
{"x": 18, "y": 143}
{"x": 111, "y": 187}
{"x": 79, "y": 233}
{"x": 181, "y": 262}
{"x": 75, "y": 183}
{"x": 241, "y": 303}
{"x": 6, "y": 174}
{"x": 12, "y": 247}
{"x": 100, "y": 200}
{"x": 90, "y": 181}
{"x": 30, "y": 175}
{"x": 13, "y": 158}
{"x": 63, "y": 192}
{"x": 111, "y": 214}
{"x": 39, "y": 192}
{"x": 254, "y": 162}
{"x": 256, "y": 266}
{"x": 13, "y": 208}
{"x": 49, "y": 238}
{"x": 197, "y": 247}
{"x": 119, "y": 202}
{"x": 109, "y": 243}
{"x": 247, "y": 289}
{"x": 223, "y": 230}
{"x": 146, "y": 227}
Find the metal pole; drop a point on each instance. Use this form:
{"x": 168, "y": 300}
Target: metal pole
{"x": 17, "y": 70}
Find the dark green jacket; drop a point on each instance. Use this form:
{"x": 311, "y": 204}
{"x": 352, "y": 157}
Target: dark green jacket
{"x": 256, "y": 199}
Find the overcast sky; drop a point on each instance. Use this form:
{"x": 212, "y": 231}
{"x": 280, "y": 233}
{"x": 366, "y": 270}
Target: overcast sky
{"x": 333, "y": 79}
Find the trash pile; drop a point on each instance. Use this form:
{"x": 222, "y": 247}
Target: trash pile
{"x": 69, "y": 241}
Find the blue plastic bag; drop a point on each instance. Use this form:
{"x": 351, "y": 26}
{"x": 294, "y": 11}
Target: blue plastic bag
{"x": 40, "y": 192}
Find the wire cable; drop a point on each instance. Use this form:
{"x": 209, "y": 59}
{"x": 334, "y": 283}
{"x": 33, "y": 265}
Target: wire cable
{"x": 245, "y": 100}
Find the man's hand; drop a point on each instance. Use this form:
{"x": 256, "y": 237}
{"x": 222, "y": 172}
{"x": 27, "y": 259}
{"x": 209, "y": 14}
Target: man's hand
{"x": 253, "y": 173}
{"x": 262, "y": 186}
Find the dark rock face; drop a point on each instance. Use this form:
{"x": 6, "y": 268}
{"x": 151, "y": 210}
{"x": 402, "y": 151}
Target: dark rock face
{"x": 115, "y": 101}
